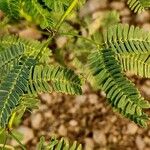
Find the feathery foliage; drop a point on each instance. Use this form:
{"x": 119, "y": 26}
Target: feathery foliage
{"x": 9, "y": 57}
{"x": 39, "y": 15}
{"x": 31, "y": 47}
{"x": 28, "y": 76}
{"x": 17, "y": 75}
{"x": 57, "y": 5}
{"x": 12, "y": 87}
{"x": 138, "y": 64}
{"x": 22, "y": 74}
{"x": 121, "y": 93}
{"x": 138, "y": 5}
{"x": 125, "y": 48}
{"x": 131, "y": 46}
{"x": 11, "y": 8}
{"x": 27, "y": 69}
{"x": 55, "y": 144}
{"x": 42, "y": 12}
{"x": 125, "y": 39}
{"x": 50, "y": 78}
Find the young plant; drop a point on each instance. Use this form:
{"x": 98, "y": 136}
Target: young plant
{"x": 27, "y": 67}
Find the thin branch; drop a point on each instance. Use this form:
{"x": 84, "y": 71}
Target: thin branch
{"x": 70, "y": 8}
{"x": 14, "y": 137}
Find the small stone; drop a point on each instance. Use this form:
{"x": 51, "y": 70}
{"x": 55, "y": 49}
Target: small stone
{"x": 93, "y": 98}
{"x": 117, "y": 5}
{"x": 47, "y": 98}
{"x": 103, "y": 93}
{"x": 99, "y": 137}
{"x": 73, "y": 110}
{"x": 30, "y": 33}
{"x": 89, "y": 144}
{"x": 35, "y": 141}
{"x": 96, "y": 23}
{"x": 93, "y": 5}
{"x": 73, "y": 123}
{"x": 147, "y": 83}
{"x": 49, "y": 115}
{"x": 103, "y": 110}
{"x": 61, "y": 41}
{"x": 146, "y": 27}
{"x": 62, "y": 130}
{"x": 13, "y": 30}
{"x": 146, "y": 90}
{"x": 126, "y": 19}
{"x": 147, "y": 140}
{"x": 125, "y": 12}
{"x": 43, "y": 107}
{"x": 80, "y": 99}
{"x": 101, "y": 3}
{"x": 113, "y": 119}
{"x": 85, "y": 88}
{"x": 140, "y": 143}
{"x": 27, "y": 133}
{"x": 36, "y": 120}
{"x": 112, "y": 139}
{"x": 143, "y": 17}
{"x": 132, "y": 128}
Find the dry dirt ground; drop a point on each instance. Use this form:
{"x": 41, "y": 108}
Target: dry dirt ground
{"x": 88, "y": 118}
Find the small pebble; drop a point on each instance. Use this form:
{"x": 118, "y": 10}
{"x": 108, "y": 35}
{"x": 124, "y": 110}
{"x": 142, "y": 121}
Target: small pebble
{"x": 93, "y": 98}
{"x": 146, "y": 26}
{"x": 47, "y": 98}
{"x": 132, "y": 128}
{"x": 30, "y": 33}
{"x": 143, "y": 17}
{"x": 140, "y": 143}
{"x": 117, "y": 5}
{"x": 73, "y": 123}
{"x": 99, "y": 137}
{"x": 89, "y": 144}
{"x": 80, "y": 99}
{"x": 36, "y": 120}
{"x": 62, "y": 130}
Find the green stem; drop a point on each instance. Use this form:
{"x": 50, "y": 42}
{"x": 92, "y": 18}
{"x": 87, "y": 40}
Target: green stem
{"x": 70, "y": 8}
{"x": 46, "y": 43}
{"x": 7, "y": 146}
{"x": 79, "y": 36}
{"x": 4, "y": 145}
{"x": 71, "y": 34}
{"x": 10, "y": 123}
{"x": 14, "y": 137}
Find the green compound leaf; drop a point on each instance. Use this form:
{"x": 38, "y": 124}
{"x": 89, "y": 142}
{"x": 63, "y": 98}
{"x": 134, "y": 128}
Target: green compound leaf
{"x": 12, "y": 88}
{"x": 9, "y": 57}
{"x": 53, "y": 78}
{"x": 138, "y": 64}
{"x": 54, "y": 144}
{"x": 138, "y": 5}
{"x": 57, "y": 5}
{"x": 125, "y": 39}
{"x": 40, "y": 15}
{"x": 120, "y": 92}
{"x": 11, "y": 8}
